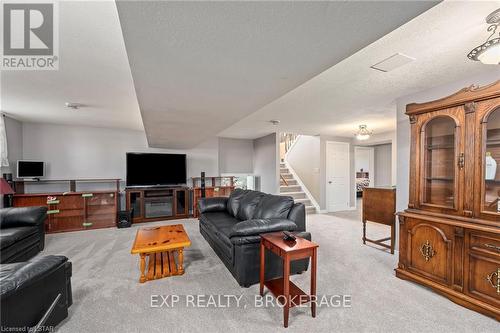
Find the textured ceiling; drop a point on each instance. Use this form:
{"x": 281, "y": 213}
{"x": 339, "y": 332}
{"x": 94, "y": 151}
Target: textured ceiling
{"x": 93, "y": 70}
{"x": 350, "y": 93}
{"x": 199, "y": 67}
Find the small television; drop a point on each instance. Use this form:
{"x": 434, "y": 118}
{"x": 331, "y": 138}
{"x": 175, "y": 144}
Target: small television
{"x": 153, "y": 169}
{"x": 30, "y": 169}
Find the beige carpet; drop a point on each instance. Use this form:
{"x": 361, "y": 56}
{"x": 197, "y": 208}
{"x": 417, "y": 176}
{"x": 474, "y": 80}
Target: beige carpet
{"x": 108, "y": 298}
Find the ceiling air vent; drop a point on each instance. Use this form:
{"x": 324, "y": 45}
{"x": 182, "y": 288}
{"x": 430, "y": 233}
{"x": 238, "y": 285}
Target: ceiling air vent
{"x": 393, "y": 62}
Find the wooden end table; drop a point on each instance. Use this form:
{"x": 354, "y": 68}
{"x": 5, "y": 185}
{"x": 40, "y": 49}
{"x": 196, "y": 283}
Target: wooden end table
{"x": 161, "y": 245}
{"x": 286, "y": 292}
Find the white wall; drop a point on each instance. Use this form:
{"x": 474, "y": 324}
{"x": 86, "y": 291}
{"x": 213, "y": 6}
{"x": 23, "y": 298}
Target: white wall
{"x": 383, "y": 165}
{"x": 92, "y": 152}
{"x": 491, "y": 74}
{"x": 384, "y": 138}
{"x": 235, "y": 155}
{"x": 362, "y": 160}
{"x": 266, "y": 163}
{"x": 304, "y": 158}
{"x": 14, "y": 131}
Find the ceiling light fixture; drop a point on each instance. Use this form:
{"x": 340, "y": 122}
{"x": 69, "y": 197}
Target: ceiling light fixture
{"x": 363, "y": 133}
{"x": 274, "y": 122}
{"x": 74, "y": 106}
{"x": 489, "y": 51}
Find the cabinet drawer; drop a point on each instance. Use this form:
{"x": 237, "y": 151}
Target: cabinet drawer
{"x": 484, "y": 280}
{"x": 485, "y": 243}
{"x": 430, "y": 250}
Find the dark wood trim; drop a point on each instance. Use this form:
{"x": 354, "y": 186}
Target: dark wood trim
{"x": 472, "y": 93}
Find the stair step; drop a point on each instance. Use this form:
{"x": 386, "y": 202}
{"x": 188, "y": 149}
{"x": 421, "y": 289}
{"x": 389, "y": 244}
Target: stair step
{"x": 282, "y": 165}
{"x": 284, "y": 170}
{"x": 290, "y": 188}
{"x": 305, "y": 201}
{"x": 310, "y": 210}
{"x": 294, "y": 195}
{"x": 287, "y": 175}
{"x": 289, "y": 182}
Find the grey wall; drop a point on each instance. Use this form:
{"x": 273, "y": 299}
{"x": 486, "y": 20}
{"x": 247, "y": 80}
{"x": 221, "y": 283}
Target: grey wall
{"x": 266, "y": 163}
{"x": 492, "y": 73}
{"x": 14, "y": 131}
{"x": 323, "y": 140}
{"x": 304, "y": 157}
{"x": 383, "y": 165}
{"x": 235, "y": 155}
{"x": 91, "y": 152}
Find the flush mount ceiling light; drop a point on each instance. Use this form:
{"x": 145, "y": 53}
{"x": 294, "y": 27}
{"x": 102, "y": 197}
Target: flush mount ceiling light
{"x": 274, "y": 122}
{"x": 489, "y": 51}
{"x": 74, "y": 106}
{"x": 363, "y": 133}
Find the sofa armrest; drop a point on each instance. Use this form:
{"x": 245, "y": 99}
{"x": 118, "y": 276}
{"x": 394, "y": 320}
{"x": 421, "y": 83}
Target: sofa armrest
{"x": 298, "y": 215}
{"x": 214, "y": 204}
{"x": 261, "y": 226}
{"x": 22, "y": 216}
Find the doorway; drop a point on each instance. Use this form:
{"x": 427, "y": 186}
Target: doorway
{"x": 338, "y": 162}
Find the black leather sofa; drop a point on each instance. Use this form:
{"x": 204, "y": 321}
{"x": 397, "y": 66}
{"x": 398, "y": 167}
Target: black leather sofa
{"x": 232, "y": 226}
{"x": 30, "y": 293}
{"x": 22, "y": 233}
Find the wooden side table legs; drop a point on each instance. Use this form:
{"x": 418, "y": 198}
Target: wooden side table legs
{"x": 314, "y": 260}
{"x": 143, "y": 268}
{"x": 262, "y": 267}
{"x": 286, "y": 289}
{"x": 180, "y": 267}
{"x": 380, "y": 242}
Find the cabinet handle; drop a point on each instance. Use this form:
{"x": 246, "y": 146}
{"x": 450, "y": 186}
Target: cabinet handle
{"x": 427, "y": 251}
{"x": 53, "y": 211}
{"x": 492, "y": 246}
{"x": 494, "y": 280}
{"x": 461, "y": 160}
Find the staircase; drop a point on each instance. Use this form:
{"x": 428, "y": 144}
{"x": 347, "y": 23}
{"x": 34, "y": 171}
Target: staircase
{"x": 290, "y": 187}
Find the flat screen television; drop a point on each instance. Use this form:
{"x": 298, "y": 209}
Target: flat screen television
{"x": 149, "y": 169}
{"x": 30, "y": 169}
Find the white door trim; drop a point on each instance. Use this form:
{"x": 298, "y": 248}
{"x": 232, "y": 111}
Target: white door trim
{"x": 328, "y": 162}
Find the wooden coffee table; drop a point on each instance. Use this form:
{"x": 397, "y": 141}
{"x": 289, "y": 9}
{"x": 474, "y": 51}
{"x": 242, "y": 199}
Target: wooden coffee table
{"x": 163, "y": 246}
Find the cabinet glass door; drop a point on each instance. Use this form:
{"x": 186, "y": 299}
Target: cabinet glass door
{"x": 491, "y": 195}
{"x": 439, "y": 149}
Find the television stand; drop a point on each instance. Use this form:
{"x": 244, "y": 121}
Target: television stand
{"x": 150, "y": 204}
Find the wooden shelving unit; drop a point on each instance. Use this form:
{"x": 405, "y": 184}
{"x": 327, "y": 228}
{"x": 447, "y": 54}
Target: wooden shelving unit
{"x": 214, "y": 187}
{"x": 72, "y": 210}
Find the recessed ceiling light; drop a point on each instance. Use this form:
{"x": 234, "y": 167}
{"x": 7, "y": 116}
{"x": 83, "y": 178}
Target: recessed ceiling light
{"x": 393, "y": 62}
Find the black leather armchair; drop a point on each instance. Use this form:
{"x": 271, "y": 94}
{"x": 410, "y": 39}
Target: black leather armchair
{"x": 37, "y": 291}
{"x": 232, "y": 226}
{"x": 22, "y": 233}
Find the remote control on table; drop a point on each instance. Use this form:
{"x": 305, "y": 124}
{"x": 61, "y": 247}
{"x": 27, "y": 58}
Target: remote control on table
{"x": 288, "y": 236}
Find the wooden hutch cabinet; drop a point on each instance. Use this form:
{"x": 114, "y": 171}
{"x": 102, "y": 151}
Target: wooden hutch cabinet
{"x": 450, "y": 233}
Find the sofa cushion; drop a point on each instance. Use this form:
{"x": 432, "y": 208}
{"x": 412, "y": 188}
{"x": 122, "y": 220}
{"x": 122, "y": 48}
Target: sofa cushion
{"x": 261, "y": 226}
{"x": 10, "y": 236}
{"x": 273, "y": 206}
{"x": 233, "y": 202}
{"x": 22, "y": 216}
{"x": 17, "y": 275}
{"x": 214, "y": 204}
{"x": 248, "y": 204}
